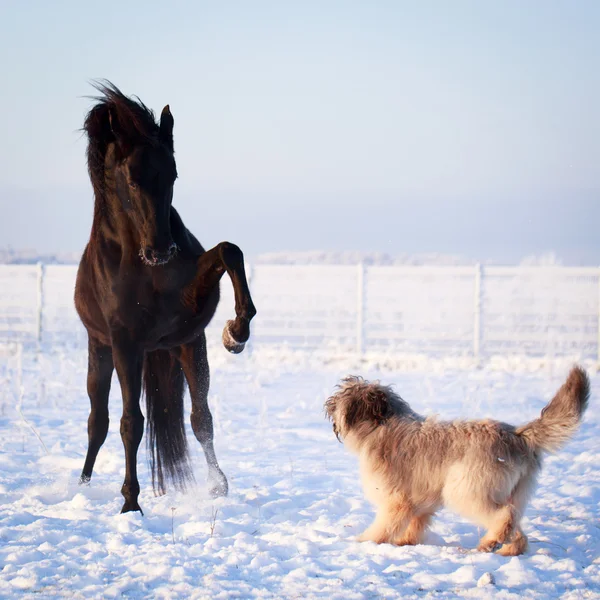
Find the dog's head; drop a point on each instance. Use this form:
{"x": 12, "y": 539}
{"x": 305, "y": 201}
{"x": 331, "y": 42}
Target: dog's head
{"x": 359, "y": 405}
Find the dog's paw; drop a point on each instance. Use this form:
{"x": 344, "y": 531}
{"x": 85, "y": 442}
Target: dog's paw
{"x": 369, "y": 537}
{"x": 407, "y": 541}
{"x": 488, "y": 545}
{"x": 515, "y": 548}
{"x": 366, "y": 536}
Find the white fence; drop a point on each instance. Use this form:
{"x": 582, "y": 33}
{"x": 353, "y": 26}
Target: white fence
{"x": 476, "y": 312}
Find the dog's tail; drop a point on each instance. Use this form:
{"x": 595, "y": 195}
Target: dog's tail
{"x": 560, "y": 418}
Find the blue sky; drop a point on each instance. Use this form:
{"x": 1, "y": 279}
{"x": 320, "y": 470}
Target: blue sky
{"x": 454, "y": 127}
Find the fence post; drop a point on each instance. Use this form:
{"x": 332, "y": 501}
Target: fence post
{"x": 249, "y": 269}
{"x": 598, "y": 336}
{"x": 249, "y": 273}
{"x": 360, "y": 308}
{"x": 40, "y": 301}
{"x": 477, "y": 313}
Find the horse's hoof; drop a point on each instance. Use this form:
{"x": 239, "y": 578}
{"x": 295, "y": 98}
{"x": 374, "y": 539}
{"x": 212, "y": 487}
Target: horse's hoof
{"x": 84, "y": 480}
{"x": 219, "y": 489}
{"x": 131, "y": 507}
{"x": 230, "y": 343}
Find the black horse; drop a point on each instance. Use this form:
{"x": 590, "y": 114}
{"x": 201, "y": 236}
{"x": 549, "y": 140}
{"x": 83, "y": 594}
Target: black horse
{"x": 146, "y": 290}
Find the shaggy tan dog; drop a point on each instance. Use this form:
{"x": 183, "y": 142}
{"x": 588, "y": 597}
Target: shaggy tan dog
{"x": 483, "y": 470}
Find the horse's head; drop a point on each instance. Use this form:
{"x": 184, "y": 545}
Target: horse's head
{"x": 143, "y": 173}
{"x": 134, "y": 158}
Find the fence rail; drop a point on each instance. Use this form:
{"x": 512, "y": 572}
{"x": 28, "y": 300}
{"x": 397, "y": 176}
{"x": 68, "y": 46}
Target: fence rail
{"x": 476, "y": 312}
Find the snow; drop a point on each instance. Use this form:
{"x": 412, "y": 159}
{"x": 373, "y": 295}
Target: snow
{"x": 288, "y": 527}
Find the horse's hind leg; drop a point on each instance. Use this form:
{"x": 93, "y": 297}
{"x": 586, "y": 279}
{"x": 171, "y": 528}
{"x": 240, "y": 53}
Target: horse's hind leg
{"x": 195, "y": 367}
{"x": 100, "y": 369}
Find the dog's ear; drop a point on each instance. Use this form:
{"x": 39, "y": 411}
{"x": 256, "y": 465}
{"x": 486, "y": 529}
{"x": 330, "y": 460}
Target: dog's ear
{"x": 369, "y": 404}
{"x": 330, "y": 411}
{"x": 330, "y": 407}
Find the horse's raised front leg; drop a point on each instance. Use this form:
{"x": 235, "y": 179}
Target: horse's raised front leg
{"x": 128, "y": 359}
{"x": 100, "y": 368}
{"x": 194, "y": 361}
{"x": 227, "y": 257}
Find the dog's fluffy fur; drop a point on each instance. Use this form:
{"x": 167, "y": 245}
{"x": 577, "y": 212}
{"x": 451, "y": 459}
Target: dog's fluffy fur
{"x": 483, "y": 470}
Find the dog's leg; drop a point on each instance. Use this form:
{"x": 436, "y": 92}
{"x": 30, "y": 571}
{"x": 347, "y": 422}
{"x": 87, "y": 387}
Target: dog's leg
{"x": 413, "y": 534}
{"x": 375, "y": 532}
{"x": 501, "y": 525}
{"x": 390, "y": 521}
{"x": 517, "y": 544}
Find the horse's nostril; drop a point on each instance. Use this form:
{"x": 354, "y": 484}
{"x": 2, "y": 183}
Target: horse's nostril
{"x": 152, "y": 256}
{"x": 149, "y": 254}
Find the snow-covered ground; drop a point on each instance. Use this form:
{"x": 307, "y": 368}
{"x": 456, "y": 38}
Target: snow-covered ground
{"x": 288, "y": 527}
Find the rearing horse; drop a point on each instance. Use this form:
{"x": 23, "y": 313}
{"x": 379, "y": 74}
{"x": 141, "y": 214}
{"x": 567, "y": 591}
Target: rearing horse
{"x": 146, "y": 290}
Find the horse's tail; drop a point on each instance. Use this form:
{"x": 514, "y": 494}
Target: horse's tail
{"x": 167, "y": 443}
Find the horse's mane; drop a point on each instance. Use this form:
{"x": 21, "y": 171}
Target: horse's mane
{"x": 115, "y": 112}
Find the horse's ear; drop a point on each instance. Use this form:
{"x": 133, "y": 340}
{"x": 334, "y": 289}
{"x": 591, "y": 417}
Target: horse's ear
{"x": 115, "y": 129}
{"x": 166, "y": 127}
{"x": 115, "y": 126}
